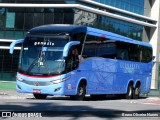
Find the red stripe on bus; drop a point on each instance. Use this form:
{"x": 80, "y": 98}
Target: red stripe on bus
{"x": 37, "y": 76}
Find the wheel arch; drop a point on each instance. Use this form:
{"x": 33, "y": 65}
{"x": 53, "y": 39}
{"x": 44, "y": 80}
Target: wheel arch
{"x": 82, "y": 80}
{"x": 130, "y": 82}
{"x": 138, "y": 82}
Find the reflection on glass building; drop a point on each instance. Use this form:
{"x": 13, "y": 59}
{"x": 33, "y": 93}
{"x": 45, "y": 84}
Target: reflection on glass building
{"x": 125, "y": 17}
{"x": 14, "y": 22}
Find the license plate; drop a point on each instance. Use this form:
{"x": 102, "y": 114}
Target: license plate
{"x": 36, "y": 91}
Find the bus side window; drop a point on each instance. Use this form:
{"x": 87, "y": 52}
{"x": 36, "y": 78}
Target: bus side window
{"x": 134, "y": 53}
{"x": 107, "y": 50}
{"x": 146, "y": 54}
{"x": 80, "y": 36}
{"x": 72, "y": 60}
{"x": 122, "y": 54}
{"x": 90, "y": 45}
{"x": 89, "y": 50}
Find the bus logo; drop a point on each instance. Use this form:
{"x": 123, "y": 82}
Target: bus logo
{"x": 44, "y": 43}
{"x": 36, "y": 84}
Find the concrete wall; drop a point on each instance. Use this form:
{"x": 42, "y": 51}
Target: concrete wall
{"x": 152, "y": 9}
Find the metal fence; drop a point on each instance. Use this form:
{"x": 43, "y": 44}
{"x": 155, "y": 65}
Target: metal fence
{"x": 8, "y": 65}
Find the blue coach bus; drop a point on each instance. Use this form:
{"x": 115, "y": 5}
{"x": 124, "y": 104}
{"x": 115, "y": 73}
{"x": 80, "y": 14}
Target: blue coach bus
{"x": 77, "y": 60}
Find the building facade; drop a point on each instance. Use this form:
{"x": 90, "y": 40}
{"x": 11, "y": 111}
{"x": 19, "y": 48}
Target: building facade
{"x": 132, "y": 18}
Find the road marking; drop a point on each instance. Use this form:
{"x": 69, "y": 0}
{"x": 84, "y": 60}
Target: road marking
{"x": 157, "y": 102}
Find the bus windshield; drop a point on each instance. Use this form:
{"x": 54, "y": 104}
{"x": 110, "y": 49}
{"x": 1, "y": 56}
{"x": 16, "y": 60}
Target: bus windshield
{"x": 43, "y": 55}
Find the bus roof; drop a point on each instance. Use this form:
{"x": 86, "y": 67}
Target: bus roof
{"x": 72, "y": 29}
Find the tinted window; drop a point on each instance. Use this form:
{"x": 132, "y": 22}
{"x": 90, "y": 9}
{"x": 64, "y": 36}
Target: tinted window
{"x": 90, "y": 46}
{"x": 99, "y": 47}
{"x": 106, "y": 49}
{"x": 122, "y": 51}
{"x": 133, "y": 52}
{"x": 79, "y": 37}
{"x": 146, "y": 54}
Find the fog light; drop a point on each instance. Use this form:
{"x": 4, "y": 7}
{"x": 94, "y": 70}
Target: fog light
{"x": 57, "y": 89}
{"x": 19, "y": 87}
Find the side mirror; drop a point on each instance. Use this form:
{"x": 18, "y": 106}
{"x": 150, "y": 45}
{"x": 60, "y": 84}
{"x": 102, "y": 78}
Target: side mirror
{"x": 13, "y": 44}
{"x": 68, "y": 46}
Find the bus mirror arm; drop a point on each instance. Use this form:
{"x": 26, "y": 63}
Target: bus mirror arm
{"x": 68, "y": 46}
{"x": 13, "y": 44}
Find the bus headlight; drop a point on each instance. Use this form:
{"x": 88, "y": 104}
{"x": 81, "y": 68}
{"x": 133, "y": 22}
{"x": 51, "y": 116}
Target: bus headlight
{"x": 19, "y": 79}
{"x": 60, "y": 80}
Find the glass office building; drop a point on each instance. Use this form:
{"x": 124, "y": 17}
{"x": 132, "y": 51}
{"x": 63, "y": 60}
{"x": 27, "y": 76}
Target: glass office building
{"x": 125, "y": 17}
{"x": 14, "y": 22}
{"x": 135, "y": 6}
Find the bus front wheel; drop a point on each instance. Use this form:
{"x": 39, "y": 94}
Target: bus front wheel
{"x": 129, "y": 94}
{"x": 40, "y": 96}
{"x": 81, "y": 92}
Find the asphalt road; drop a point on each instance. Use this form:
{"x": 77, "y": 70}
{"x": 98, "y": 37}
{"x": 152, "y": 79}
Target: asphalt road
{"x": 19, "y": 106}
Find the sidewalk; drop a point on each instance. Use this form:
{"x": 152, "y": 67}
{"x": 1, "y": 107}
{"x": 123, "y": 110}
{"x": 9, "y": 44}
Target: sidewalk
{"x": 13, "y": 94}
{"x": 8, "y": 91}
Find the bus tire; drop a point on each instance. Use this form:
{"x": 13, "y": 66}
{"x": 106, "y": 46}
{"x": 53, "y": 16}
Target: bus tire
{"x": 81, "y": 92}
{"x": 40, "y": 96}
{"x": 129, "y": 94}
{"x": 136, "y": 92}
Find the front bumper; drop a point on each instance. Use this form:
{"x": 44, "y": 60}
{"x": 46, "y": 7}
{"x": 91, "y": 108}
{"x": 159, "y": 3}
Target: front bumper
{"x": 54, "y": 89}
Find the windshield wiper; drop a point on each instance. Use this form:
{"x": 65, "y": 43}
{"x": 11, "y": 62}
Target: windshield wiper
{"x": 32, "y": 65}
{"x": 39, "y": 61}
